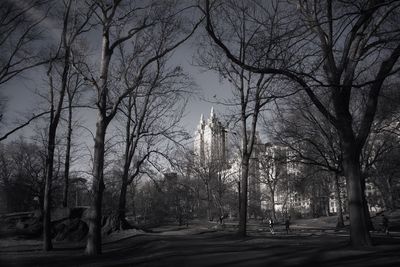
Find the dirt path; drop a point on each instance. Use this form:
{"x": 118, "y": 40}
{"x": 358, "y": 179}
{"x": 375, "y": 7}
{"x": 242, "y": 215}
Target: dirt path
{"x": 199, "y": 248}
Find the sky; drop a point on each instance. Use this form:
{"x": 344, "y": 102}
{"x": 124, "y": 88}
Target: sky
{"x": 23, "y": 101}
{"x": 207, "y": 81}
{"x": 22, "y": 98}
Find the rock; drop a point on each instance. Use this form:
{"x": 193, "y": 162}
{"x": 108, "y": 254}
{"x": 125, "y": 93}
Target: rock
{"x": 71, "y": 230}
{"x": 110, "y": 224}
{"x": 60, "y": 231}
{"x": 78, "y": 232}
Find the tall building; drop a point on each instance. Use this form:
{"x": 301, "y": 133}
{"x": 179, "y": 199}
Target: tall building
{"x": 211, "y": 163}
{"x": 210, "y": 140}
{"x": 278, "y": 172}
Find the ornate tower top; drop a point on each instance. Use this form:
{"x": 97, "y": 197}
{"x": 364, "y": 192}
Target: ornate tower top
{"x": 202, "y": 122}
{"x": 212, "y": 112}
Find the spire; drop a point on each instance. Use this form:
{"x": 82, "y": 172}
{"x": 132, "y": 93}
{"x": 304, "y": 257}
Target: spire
{"x": 212, "y": 115}
{"x": 201, "y": 123}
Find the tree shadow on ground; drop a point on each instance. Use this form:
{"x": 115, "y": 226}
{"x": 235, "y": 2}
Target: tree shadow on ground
{"x": 217, "y": 249}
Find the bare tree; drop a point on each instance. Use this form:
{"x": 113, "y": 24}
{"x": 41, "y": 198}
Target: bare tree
{"x": 311, "y": 140}
{"x": 73, "y": 26}
{"x": 273, "y": 173}
{"x": 211, "y": 171}
{"x": 252, "y": 92}
{"x": 119, "y": 22}
{"x": 151, "y": 114}
{"x": 330, "y": 53}
{"x": 20, "y": 34}
{"x": 20, "y": 27}
{"x": 379, "y": 155}
{"x": 74, "y": 88}
{"x": 22, "y": 175}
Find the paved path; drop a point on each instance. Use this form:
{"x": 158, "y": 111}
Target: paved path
{"x": 212, "y": 249}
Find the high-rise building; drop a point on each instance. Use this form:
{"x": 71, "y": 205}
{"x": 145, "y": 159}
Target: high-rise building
{"x": 210, "y": 140}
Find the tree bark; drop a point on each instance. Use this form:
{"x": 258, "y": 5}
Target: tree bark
{"x": 67, "y": 157}
{"x": 209, "y": 206}
{"x": 273, "y": 205}
{"x": 239, "y": 197}
{"x": 243, "y": 196}
{"x": 54, "y": 120}
{"x": 47, "y": 244}
{"x": 340, "y": 221}
{"x": 122, "y": 204}
{"x": 93, "y": 245}
{"x": 359, "y": 234}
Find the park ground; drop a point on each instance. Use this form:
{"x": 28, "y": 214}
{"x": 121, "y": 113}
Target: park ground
{"x": 311, "y": 242}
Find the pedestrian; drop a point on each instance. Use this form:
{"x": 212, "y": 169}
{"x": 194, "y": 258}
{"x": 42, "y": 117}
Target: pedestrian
{"x": 385, "y": 224}
{"x": 221, "y": 219}
{"x": 271, "y": 226}
{"x": 287, "y": 223}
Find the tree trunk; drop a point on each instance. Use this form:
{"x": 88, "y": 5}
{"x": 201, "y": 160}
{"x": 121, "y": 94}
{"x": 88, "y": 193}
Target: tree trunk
{"x": 67, "y": 158}
{"x": 340, "y": 221}
{"x": 209, "y": 206}
{"x": 359, "y": 234}
{"x": 123, "y": 224}
{"x": 133, "y": 193}
{"x": 273, "y": 204}
{"x": 51, "y": 143}
{"x": 239, "y": 198}
{"x": 47, "y": 245}
{"x": 243, "y": 197}
{"x": 93, "y": 245}
{"x": 122, "y": 205}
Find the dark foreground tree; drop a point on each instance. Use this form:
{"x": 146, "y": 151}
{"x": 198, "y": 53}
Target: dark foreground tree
{"x": 330, "y": 48}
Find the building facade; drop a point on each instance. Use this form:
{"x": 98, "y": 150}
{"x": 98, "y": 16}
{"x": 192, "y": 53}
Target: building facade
{"x": 274, "y": 175}
{"x": 210, "y": 140}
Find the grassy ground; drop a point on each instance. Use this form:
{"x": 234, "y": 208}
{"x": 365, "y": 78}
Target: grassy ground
{"x": 312, "y": 242}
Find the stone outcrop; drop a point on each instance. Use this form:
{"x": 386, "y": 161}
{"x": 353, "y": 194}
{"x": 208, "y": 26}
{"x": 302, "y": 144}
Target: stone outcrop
{"x": 68, "y": 224}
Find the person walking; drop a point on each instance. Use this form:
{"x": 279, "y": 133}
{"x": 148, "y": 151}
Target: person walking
{"x": 287, "y": 223}
{"x": 271, "y": 226}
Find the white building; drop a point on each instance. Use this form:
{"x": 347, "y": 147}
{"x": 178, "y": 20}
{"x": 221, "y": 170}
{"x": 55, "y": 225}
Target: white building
{"x": 210, "y": 140}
